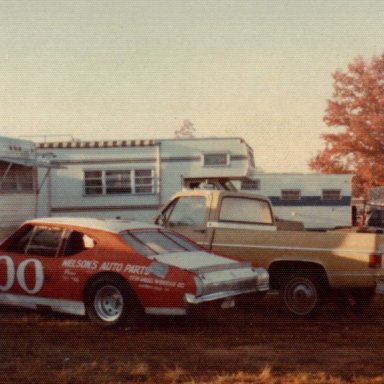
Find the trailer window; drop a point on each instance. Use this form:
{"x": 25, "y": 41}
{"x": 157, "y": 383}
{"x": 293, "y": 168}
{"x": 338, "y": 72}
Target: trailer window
{"x": 144, "y": 181}
{"x": 93, "y": 181}
{"x": 331, "y": 194}
{"x": 119, "y": 182}
{"x": 250, "y": 185}
{"x": 216, "y": 159}
{"x": 290, "y": 194}
{"x": 16, "y": 178}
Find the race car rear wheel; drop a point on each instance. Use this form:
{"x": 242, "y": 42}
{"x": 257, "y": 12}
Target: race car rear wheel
{"x": 110, "y": 302}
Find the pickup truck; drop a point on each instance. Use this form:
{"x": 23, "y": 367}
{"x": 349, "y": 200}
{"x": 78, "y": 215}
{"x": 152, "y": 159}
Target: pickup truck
{"x": 308, "y": 268}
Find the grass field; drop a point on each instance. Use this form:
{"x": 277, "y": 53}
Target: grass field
{"x": 262, "y": 344}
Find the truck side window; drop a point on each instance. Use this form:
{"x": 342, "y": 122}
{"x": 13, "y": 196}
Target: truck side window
{"x": 241, "y": 210}
{"x": 187, "y": 211}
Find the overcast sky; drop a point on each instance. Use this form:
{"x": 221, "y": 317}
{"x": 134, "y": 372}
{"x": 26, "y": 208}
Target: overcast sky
{"x": 135, "y": 69}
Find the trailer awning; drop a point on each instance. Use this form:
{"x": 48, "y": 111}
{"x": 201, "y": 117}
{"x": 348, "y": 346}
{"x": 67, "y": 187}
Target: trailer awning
{"x": 30, "y": 162}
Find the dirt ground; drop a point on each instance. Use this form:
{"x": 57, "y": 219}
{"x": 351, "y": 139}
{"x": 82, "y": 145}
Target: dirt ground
{"x": 250, "y": 344}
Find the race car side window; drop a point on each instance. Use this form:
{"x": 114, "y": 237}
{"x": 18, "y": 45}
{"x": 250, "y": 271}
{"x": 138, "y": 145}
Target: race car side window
{"x": 45, "y": 241}
{"x": 76, "y": 242}
{"x": 20, "y": 239}
{"x": 49, "y": 242}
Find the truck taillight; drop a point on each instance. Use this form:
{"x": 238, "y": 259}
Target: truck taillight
{"x": 375, "y": 260}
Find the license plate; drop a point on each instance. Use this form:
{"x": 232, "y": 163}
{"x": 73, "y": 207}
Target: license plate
{"x": 380, "y": 287}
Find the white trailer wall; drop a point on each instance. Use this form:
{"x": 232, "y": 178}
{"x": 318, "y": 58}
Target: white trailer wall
{"x": 17, "y": 183}
{"x": 320, "y": 201}
{"x": 69, "y": 191}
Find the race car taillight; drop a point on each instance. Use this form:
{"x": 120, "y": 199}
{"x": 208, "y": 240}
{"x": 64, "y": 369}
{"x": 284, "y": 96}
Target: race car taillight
{"x": 375, "y": 260}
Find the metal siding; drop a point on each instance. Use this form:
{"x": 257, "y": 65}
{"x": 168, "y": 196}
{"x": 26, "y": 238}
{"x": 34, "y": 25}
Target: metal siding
{"x": 15, "y": 208}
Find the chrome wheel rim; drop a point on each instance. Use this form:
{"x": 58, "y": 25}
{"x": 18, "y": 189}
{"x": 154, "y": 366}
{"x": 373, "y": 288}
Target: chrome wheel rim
{"x": 109, "y": 303}
{"x": 300, "y": 296}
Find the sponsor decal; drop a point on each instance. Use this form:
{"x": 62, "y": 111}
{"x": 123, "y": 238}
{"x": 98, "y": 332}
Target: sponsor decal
{"x": 83, "y": 264}
{"x": 155, "y": 284}
{"x": 136, "y": 269}
{"x": 158, "y": 269}
{"x": 137, "y": 273}
{"x": 70, "y": 276}
{"x": 114, "y": 267}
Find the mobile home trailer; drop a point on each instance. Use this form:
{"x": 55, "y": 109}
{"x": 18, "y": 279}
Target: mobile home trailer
{"x": 320, "y": 201}
{"x": 133, "y": 178}
{"x": 18, "y": 182}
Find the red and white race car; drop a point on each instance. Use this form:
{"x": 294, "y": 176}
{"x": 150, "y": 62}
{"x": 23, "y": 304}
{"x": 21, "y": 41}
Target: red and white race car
{"x": 114, "y": 269}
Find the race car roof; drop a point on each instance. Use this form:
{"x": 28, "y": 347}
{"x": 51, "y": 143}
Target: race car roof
{"x": 109, "y": 225}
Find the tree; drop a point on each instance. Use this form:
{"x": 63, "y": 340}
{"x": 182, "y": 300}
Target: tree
{"x": 356, "y": 110}
{"x": 186, "y": 131}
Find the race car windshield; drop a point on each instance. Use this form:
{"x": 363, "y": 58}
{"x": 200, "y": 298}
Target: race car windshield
{"x": 157, "y": 242}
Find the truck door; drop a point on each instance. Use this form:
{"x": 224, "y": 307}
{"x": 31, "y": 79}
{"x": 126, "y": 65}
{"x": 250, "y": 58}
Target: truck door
{"x": 188, "y": 216}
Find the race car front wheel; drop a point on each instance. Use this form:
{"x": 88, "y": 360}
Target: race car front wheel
{"x": 110, "y": 302}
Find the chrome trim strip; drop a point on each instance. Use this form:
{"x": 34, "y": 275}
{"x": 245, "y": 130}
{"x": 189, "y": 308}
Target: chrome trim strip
{"x": 287, "y": 248}
{"x": 192, "y": 299}
{"x": 222, "y": 267}
{"x": 224, "y": 225}
{"x": 370, "y": 273}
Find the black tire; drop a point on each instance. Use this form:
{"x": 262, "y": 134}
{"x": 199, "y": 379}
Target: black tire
{"x": 356, "y": 299}
{"x": 110, "y": 302}
{"x": 302, "y": 293}
{"x": 363, "y": 297}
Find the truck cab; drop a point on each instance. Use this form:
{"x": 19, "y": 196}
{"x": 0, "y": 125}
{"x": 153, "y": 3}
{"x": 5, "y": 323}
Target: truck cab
{"x": 202, "y": 215}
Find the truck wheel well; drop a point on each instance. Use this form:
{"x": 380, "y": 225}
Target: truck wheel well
{"x": 280, "y": 270}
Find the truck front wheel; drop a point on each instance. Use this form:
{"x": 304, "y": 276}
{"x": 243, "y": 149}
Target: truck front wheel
{"x": 301, "y": 293}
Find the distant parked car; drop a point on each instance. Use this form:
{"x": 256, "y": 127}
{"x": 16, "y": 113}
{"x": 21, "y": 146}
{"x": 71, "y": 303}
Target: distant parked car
{"x": 112, "y": 270}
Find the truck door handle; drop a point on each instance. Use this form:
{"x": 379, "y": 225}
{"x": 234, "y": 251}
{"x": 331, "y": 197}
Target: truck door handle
{"x": 202, "y": 231}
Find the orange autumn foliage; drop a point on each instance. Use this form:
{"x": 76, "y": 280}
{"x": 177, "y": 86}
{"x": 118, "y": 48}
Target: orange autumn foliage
{"x": 356, "y": 111}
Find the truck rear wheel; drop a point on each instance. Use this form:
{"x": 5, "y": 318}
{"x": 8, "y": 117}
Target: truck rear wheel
{"x": 356, "y": 299}
{"x": 302, "y": 293}
{"x": 363, "y": 297}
